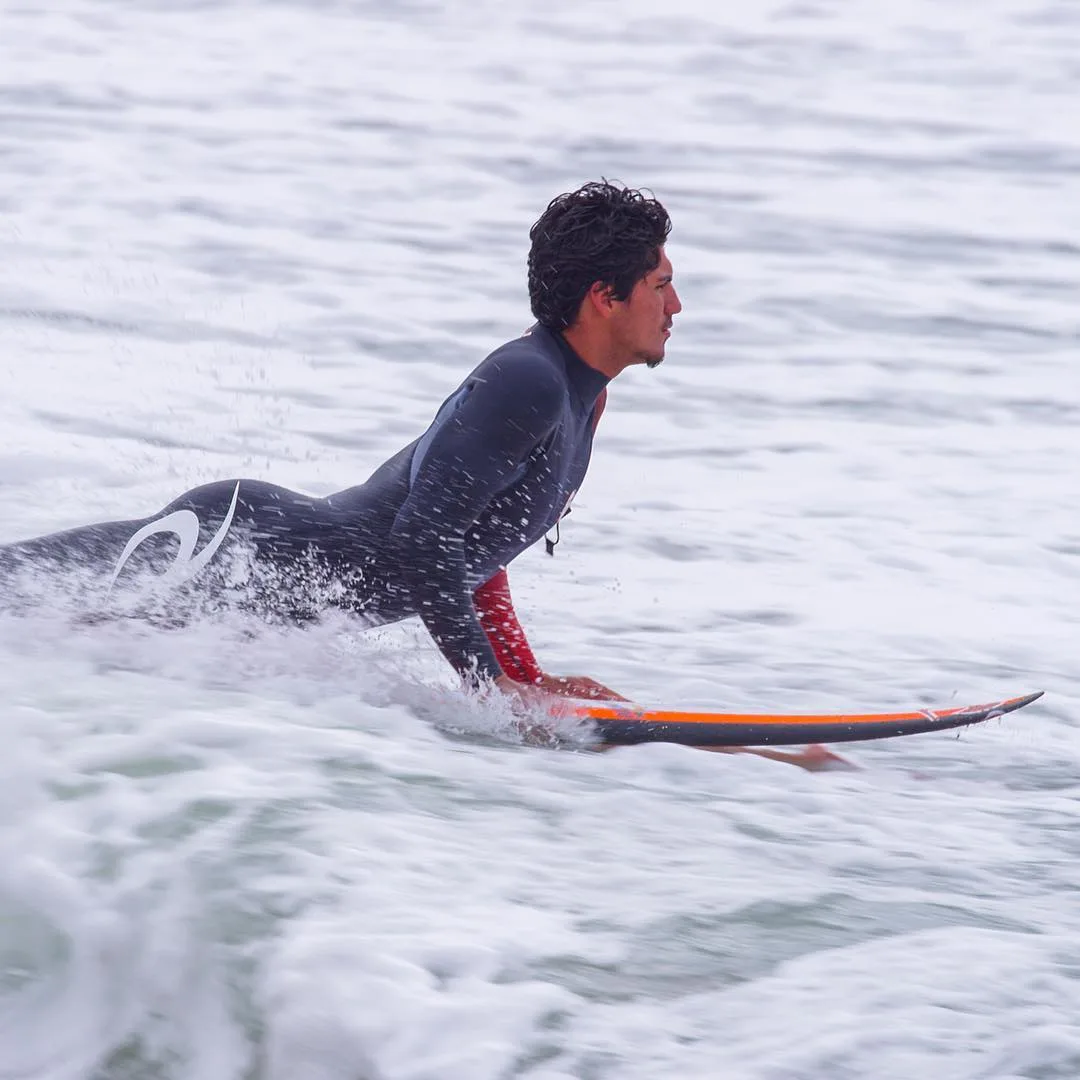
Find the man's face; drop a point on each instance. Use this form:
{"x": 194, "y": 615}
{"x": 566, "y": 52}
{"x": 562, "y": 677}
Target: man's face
{"x": 643, "y": 323}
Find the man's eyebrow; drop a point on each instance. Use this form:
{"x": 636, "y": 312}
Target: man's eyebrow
{"x": 664, "y": 279}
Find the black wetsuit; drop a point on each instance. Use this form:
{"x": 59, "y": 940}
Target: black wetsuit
{"x": 494, "y": 472}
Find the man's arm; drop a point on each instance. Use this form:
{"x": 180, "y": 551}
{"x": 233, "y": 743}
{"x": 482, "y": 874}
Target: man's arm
{"x": 495, "y": 607}
{"x": 470, "y": 458}
{"x": 496, "y": 610}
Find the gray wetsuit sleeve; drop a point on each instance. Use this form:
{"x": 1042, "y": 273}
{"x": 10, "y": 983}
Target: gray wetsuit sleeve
{"x": 474, "y": 454}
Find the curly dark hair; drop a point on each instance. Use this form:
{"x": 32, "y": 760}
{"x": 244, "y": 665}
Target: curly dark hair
{"x": 601, "y": 232}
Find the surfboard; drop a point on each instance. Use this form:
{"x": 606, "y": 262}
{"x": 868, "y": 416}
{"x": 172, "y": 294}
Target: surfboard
{"x": 616, "y": 724}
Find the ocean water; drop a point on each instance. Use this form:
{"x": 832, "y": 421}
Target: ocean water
{"x": 265, "y": 239}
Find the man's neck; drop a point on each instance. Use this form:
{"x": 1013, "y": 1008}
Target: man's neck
{"x": 594, "y": 350}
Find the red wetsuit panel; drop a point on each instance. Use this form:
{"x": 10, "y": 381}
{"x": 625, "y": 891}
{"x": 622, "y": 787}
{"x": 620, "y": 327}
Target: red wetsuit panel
{"x": 495, "y": 607}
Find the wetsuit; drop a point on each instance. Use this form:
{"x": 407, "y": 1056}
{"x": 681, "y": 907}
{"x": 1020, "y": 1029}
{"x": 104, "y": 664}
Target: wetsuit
{"x": 429, "y": 534}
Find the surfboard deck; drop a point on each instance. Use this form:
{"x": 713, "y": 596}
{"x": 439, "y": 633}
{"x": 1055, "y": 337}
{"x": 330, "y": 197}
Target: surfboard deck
{"x": 616, "y": 724}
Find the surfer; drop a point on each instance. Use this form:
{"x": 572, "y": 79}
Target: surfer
{"x": 431, "y": 532}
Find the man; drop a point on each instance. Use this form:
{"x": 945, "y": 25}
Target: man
{"x": 433, "y": 529}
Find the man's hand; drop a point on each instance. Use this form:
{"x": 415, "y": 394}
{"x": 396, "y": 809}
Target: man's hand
{"x": 577, "y": 686}
{"x": 550, "y": 695}
{"x": 564, "y": 686}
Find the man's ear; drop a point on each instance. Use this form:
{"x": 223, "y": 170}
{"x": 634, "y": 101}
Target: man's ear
{"x": 601, "y": 298}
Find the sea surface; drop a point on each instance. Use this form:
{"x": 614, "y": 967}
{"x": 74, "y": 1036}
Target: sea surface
{"x": 265, "y": 239}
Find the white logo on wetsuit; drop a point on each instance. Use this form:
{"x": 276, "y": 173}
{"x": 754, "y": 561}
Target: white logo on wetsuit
{"x": 185, "y": 525}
